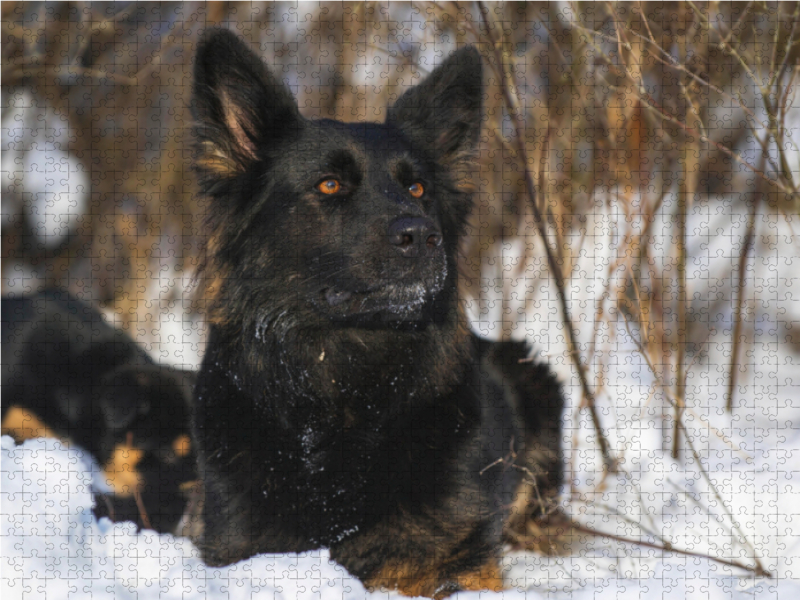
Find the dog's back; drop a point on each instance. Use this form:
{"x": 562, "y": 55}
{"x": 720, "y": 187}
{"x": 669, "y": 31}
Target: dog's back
{"x": 67, "y": 373}
{"x": 56, "y": 351}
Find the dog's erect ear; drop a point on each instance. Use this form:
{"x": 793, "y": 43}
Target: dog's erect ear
{"x": 237, "y": 103}
{"x": 443, "y": 113}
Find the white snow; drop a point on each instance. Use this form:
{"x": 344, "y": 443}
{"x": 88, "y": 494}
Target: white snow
{"x": 53, "y": 548}
{"x": 52, "y": 185}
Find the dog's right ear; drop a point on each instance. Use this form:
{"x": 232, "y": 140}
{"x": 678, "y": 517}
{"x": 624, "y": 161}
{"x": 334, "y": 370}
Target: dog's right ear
{"x": 443, "y": 113}
{"x": 238, "y": 105}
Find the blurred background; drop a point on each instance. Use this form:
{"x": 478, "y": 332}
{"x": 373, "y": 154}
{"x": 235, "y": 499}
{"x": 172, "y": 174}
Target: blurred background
{"x": 636, "y": 216}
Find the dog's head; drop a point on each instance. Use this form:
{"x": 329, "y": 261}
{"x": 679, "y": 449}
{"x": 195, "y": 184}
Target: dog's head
{"x": 148, "y": 405}
{"x": 144, "y": 444}
{"x": 346, "y": 224}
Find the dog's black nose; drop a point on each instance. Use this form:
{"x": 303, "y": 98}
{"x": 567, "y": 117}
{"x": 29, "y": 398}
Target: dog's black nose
{"x": 412, "y": 235}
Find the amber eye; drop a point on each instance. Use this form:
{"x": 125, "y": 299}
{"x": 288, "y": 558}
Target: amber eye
{"x": 329, "y": 186}
{"x": 416, "y": 190}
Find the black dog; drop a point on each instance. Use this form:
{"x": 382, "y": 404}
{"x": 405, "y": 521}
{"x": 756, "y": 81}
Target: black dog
{"x": 67, "y": 373}
{"x": 342, "y": 401}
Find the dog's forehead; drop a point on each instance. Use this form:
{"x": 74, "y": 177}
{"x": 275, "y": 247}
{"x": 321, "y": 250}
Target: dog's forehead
{"x": 368, "y": 140}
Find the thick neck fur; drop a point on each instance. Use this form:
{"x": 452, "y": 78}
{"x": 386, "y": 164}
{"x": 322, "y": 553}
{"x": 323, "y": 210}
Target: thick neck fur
{"x": 357, "y": 374}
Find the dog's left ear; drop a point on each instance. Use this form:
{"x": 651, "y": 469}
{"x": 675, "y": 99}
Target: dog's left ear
{"x": 443, "y": 113}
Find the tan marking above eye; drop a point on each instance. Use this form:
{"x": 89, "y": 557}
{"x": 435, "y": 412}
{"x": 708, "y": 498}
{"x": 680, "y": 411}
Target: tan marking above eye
{"x": 416, "y": 190}
{"x": 329, "y": 186}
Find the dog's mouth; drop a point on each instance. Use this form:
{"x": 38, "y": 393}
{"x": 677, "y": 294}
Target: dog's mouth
{"x": 394, "y": 297}
{"x": 384, "y": 302}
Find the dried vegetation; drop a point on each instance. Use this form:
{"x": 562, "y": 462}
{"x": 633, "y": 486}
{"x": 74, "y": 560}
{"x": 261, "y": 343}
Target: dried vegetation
{"x": 600, "y": 117}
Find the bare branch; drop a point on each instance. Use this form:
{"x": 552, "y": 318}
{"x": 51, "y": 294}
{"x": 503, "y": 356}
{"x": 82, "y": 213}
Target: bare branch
{"x": 667, "y": 547}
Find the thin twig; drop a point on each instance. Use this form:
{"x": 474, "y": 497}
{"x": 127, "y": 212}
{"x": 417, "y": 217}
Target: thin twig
{"x": 667, "y": 547}
{"x": 30, "y": 66}
{"x": 687, "y": 190}
{"x": 747, "y": 245}
{"x": 718, "y": 496}
{"x": 137, "y": 495}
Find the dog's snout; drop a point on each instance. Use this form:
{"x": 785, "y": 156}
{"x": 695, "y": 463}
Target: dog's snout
{"x": 412, "y": 235}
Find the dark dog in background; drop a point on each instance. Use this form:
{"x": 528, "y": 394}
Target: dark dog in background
{"x": 342, "y": 401}
{"x": 67, "y": 373}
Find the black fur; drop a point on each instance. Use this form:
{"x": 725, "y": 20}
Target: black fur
{"x": 90, "y": 383}
{"x": 342, "y": 401}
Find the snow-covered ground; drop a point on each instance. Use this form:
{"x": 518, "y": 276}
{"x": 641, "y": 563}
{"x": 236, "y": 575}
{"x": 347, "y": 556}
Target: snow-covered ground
{"x": 53, "y": 548}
